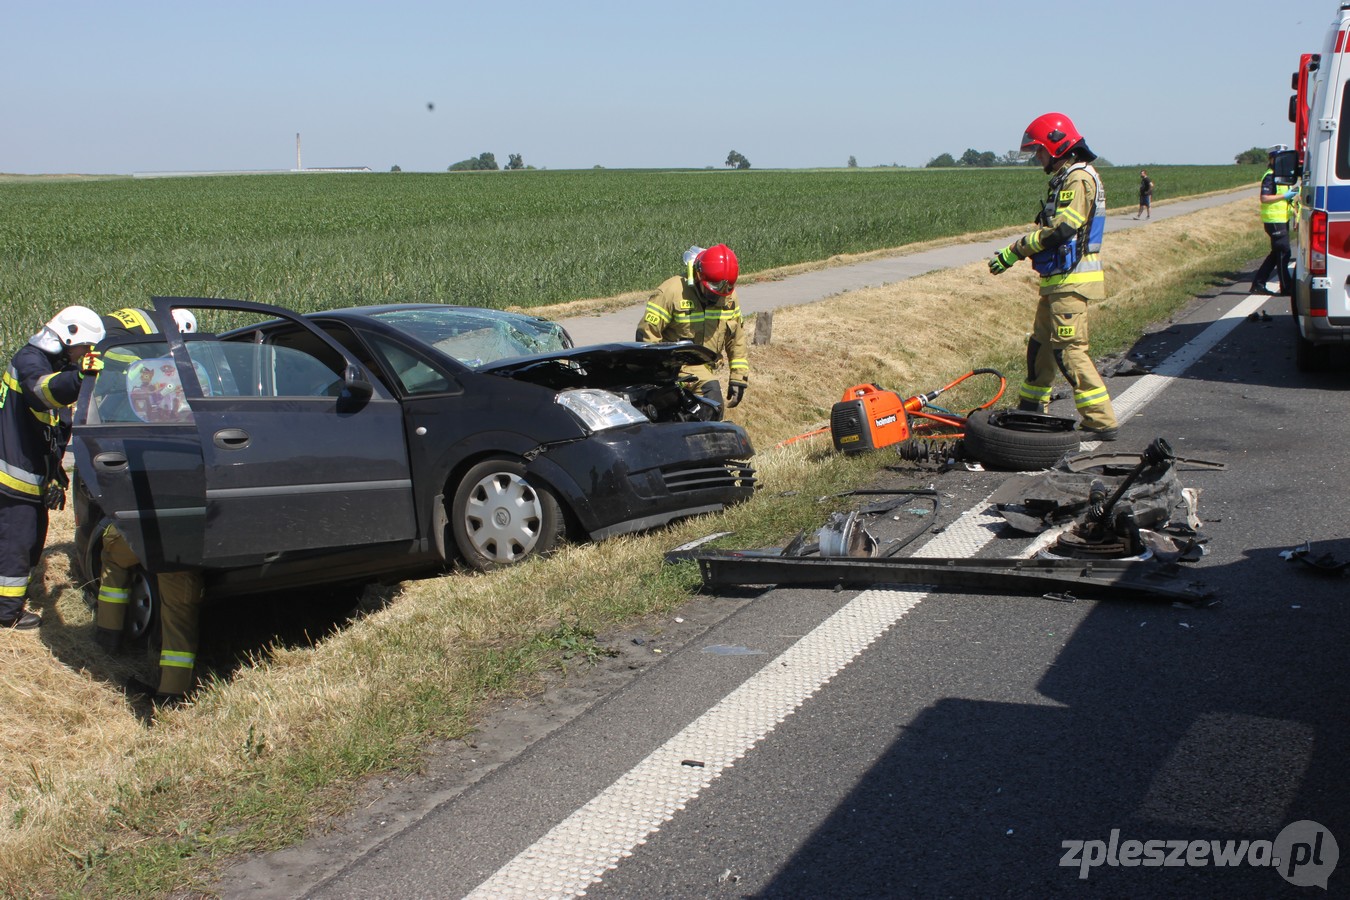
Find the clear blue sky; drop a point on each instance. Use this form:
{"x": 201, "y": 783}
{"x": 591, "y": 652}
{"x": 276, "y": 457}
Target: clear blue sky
{"x": 122, "y": 87}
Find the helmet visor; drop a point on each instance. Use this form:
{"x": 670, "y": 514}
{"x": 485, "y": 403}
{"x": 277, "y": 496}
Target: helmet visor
{"x": 720, "y": 288}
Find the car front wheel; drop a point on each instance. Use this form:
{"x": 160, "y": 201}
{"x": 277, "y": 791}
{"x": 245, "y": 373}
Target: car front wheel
{"x": 499, "y": 518}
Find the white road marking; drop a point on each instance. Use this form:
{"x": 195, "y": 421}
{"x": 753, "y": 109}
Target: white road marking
{"x": 579, "y": 850}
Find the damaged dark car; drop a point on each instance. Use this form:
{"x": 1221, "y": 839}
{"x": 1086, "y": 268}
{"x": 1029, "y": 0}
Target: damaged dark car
{"x": 383, "y": 442}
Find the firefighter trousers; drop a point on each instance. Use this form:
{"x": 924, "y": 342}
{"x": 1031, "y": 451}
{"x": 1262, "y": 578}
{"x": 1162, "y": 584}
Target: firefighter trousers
{"x": 180, "y": 595}
{"x": 23, "y": 531}
{"x": 1059, "y": 341}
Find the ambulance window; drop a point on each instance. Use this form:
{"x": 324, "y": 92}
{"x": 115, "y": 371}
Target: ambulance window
{"x": 1343, "y": 141}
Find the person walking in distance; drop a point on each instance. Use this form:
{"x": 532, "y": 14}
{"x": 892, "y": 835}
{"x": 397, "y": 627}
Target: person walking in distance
{"x": 1146, "y": 185}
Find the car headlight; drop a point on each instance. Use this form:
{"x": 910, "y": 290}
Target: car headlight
{"x": 599, "y": 410}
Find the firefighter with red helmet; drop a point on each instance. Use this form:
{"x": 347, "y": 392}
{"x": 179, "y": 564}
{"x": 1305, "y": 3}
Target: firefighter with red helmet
{"x": 42, "y": 382}
{"x": 1065, "y": 249}
{"x": 701, "y": 306}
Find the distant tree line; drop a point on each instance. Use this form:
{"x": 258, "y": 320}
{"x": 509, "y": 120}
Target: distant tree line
{"x": 1256, "y": 156}
{"x": 987, "y": 159}
{"x": 487, "y": 162}
{"x": 737, "y": 160}
{"x": 977, "y": 159}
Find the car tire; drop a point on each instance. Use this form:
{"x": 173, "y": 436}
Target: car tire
{"x": 1310, "y": 357}
{"x": 1026, "y": 443}
{"x": 500, "y": 518}
{"x": 142, "y": 615}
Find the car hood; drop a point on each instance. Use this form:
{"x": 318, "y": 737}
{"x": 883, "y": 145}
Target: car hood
{"x": 604, "y": 365}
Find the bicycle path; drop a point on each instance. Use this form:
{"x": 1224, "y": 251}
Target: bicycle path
{"x": 809, "y": 287}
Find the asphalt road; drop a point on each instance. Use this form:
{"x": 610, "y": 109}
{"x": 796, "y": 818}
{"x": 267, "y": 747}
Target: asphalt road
{"x": 812, "y": 743}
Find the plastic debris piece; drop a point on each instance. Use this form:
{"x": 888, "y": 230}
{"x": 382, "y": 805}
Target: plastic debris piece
{"x": 692, "y": 763}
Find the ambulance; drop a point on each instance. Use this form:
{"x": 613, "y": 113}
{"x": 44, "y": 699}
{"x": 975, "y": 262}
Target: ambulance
{"x": 1320, "y": 111}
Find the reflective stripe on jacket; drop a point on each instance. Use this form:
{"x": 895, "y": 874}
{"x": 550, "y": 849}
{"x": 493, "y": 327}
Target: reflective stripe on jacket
{"x": 676, "y": 311}
{"x": 33, "y": 436}
{"x": 1066, "y": 248}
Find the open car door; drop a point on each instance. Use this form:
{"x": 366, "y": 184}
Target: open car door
{"x": 211, "y": 452}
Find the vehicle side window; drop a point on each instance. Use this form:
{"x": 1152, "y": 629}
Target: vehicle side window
{"x": 139, "y": 384}
{"x": 266, "y": 370}
{"x": 414, "y": 374}
{"x": 1343, "y": 136}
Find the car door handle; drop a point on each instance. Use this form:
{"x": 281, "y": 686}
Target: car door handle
{"x": 231, "y": 439}
{"x": 110, "y": 461}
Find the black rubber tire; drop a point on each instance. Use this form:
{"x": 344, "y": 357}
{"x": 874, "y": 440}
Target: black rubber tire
{"x": 142, "y": 614}
{"x": 500, "y": 518}
{"x": 1310, "y": 357}
{"x": 999, "y": 447}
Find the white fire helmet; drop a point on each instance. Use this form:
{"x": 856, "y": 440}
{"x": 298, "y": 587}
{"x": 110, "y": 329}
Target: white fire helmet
{"x": 72, "y": 325}
{"x": 185, "y": 320}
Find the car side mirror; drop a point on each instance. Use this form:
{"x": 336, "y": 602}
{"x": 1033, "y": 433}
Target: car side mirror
{"x": 355, "y": 385}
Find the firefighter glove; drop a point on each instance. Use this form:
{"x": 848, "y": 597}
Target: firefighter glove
{"x": 1002, "y": 261}
{"x": 91, "y": 363}
{"x": 735, "y": 392}
{"x": 54, "y": 497}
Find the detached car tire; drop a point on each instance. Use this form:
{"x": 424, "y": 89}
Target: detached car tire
{"x": 143, "y": 603}
{"x": 499, "y": 518}
{"x": 1005, "y": 439}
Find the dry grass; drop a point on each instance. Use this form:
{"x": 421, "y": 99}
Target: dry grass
{"x": 95, "y": 800}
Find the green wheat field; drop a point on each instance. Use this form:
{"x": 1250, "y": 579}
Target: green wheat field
{"x": 498, "y": 239}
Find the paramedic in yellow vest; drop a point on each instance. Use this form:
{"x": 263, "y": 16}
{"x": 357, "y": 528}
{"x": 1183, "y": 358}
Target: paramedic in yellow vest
{"x": 701, "y": 306}
{"x": 1275, "y": 208}
{"x": 1065, "y": 249}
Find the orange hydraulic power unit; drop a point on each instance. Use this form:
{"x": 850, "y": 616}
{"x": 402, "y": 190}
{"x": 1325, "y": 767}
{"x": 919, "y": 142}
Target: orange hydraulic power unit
{"x": 868, "y": 418}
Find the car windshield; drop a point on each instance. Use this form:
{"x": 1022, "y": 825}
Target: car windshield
{"x": 476, "y": 337}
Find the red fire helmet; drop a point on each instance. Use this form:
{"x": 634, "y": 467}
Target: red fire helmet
{"x": 717, "y": 269}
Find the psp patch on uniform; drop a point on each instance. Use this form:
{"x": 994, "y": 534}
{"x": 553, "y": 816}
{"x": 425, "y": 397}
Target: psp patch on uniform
{"x": 1065, "y": 331}
{"x": 1065, "y": 198}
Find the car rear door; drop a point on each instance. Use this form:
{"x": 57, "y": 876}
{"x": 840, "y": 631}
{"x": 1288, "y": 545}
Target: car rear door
{"x": 301, "y": 448}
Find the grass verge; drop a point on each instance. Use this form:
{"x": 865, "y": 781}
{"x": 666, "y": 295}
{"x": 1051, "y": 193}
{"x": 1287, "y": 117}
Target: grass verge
{"x": 99, "y": 803}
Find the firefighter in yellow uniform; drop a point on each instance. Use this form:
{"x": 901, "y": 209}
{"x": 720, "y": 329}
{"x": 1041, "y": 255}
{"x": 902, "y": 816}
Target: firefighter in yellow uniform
{"x": 180, "y": 595}
{"x": 1065, "y": 249}
{"x": 702, "y": 307}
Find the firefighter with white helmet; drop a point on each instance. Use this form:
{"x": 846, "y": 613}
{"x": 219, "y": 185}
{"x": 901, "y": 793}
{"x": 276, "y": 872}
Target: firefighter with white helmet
{"x": 131, "y": 321}
{"x": 42, "y": 382}
{"x": 702, "y": 307}
{"x": 1065, "y": 249}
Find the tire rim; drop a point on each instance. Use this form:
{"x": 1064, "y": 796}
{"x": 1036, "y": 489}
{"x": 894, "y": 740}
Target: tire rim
{"x": 139, "y": 609}
{"x": 503, "y": 518}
